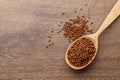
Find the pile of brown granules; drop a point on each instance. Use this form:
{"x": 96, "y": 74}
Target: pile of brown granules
{"x": 75, "y": 28}
{"x": 81, "y": 52}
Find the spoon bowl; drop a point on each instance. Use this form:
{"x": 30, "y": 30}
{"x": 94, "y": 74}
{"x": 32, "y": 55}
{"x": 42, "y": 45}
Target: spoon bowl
{"x": 91, "y": 37}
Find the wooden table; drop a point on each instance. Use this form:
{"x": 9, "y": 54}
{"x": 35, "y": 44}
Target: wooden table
{"x": 24, "y": 29}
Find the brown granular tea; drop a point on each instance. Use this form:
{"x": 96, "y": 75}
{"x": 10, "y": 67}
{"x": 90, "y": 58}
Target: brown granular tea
{"x": 81, "y": 52}
{"x": 46, "y": 46}
{"x": 75, "y": 28}
{"x": 75, "y": 11}
{"x": 81, "y": 9}
{"x": 52, "y": 31}
{"x": 63, "y": 13}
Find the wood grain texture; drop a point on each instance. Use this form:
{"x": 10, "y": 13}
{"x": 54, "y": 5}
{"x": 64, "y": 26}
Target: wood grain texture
{"x": 25, "y": 25}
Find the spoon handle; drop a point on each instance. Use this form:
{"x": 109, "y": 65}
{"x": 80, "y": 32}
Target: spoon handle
{"x": 114, "y": 13}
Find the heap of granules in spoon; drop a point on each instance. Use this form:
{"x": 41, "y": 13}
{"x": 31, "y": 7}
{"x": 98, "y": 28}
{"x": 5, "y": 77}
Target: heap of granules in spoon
{"x": 81, "y": 52}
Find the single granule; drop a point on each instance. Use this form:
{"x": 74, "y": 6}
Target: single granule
{"x": 75, "y": 28}
{"x": 86, "y": 4}
{"x": 69, "y": 41}
{"x": 46, "y": 46}
{"x": 81, "y": 9}
{"x": 58, "y": 32}
{"x": 91, "y": 22}
{"x": 52, "y": 43}
{"x": 81, "y": 52}
{"x": 75, "y": 11}
{"x": 58, "y": 25}
{"x": 52, "y": 31}
{"x": 49, "y": 40}
{"x": 61, "y": 22}
{"x": 88, "y": 17}
{"x": 63, "y": 13}
{"x": 49, "y": 36}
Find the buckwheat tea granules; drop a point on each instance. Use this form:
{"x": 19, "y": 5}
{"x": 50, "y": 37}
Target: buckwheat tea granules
{"x": 75, "y": 28}
{"x": 81, "y": 52}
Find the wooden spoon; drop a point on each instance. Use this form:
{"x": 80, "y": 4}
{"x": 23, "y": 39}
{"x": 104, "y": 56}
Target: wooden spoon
{"x": 114, "y": 13}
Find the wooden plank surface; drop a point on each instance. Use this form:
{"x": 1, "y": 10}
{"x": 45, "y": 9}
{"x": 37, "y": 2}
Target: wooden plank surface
{"x": 25, "y": 25}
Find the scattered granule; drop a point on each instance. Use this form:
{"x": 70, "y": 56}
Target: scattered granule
{"x": 75, "y": 11}
{"x": 63, "y": 13}
{"x": 92, "y": 22}
{"x": 58, "y": 32}
{"x": 69, "y": 41}
{"x": 88, "y": 17}
{"x": 81, "y": 9}
{"x": 49, "y": 36}
{"x": 52, "y": 43}
{"x": 46, "y": 46}
{"x": 58, "y": 25}
{"x": 61, "y": 22}
{"x": 49, "y": 40}
{"x": 86, "y": 4}
{"x": 52, "y": 31}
